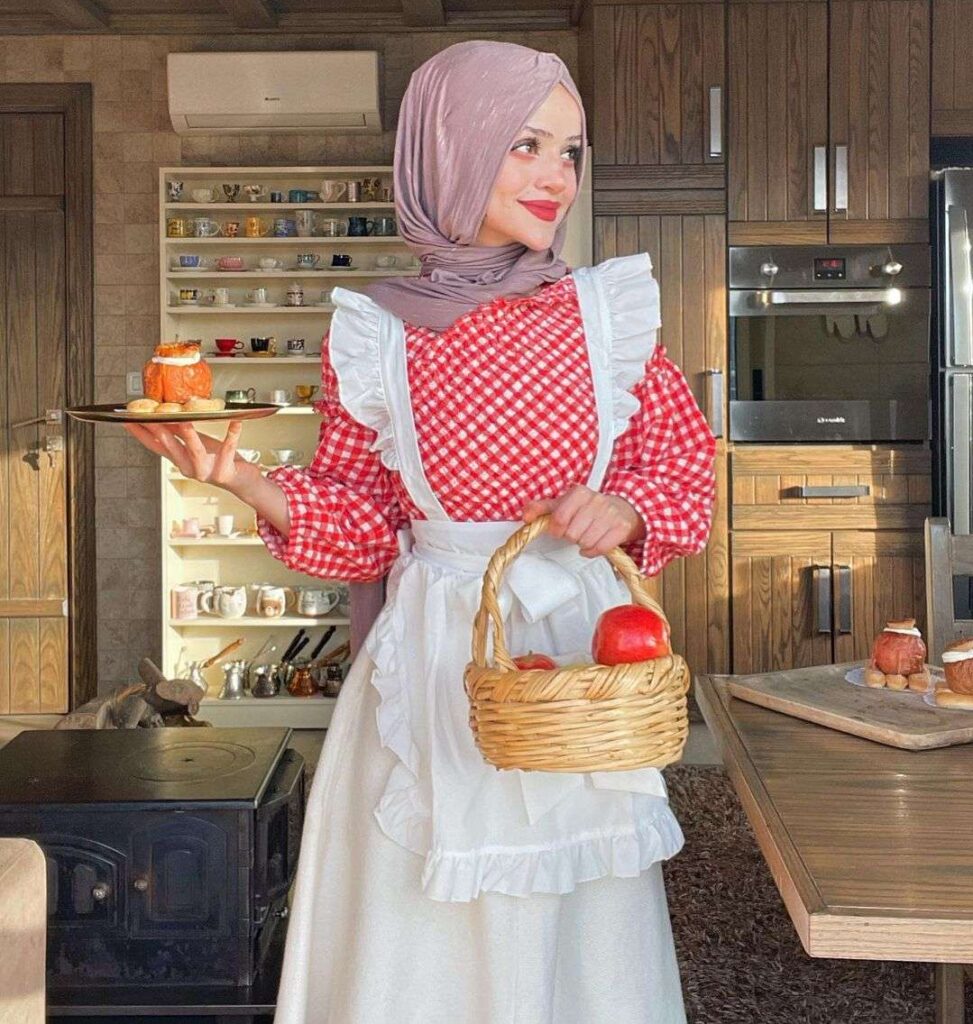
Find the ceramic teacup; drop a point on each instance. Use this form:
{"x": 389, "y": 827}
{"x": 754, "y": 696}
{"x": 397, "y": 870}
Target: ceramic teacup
{"x": 251, "y": 455}
{"x": 269, "y": 263}
{"x": 286, "y": 456}
{"x": 316, "y": 600}
{"x": 203, "y": 195}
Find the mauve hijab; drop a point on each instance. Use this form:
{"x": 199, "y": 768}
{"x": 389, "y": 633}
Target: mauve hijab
{"x": 462, "y": 111}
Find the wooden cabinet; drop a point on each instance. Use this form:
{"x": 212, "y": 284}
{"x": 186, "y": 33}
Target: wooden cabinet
{"x": 826, "y": 547}
{"x": 952, "y": 69}
{"x": 658, "y": 94}
{"x": 688, "y": 258}
{"x": 829, "y": 121}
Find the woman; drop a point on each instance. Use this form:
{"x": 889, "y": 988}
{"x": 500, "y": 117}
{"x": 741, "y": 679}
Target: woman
{"x": 495, "y": 387}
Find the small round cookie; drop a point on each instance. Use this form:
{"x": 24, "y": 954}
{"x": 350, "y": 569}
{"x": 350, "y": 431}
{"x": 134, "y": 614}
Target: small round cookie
{"x": 144, "y": 405}
{"x": 169, "y": 407}
{"x": 196, "y": 404}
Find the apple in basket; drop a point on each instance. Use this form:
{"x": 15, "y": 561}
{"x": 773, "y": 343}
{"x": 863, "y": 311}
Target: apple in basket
{"x": 629, "y": 633}
{"x": 525, "y": 662}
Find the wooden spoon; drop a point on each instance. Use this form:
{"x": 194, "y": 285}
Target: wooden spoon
{"x": 221, "y": 654}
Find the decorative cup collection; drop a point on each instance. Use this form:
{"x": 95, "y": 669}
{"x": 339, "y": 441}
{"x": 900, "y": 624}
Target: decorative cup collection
{"x": 266, "y": 600}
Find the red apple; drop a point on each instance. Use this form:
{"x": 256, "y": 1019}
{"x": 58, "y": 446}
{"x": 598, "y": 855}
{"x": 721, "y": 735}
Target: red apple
{"x": 525, "y": 662}
{"x": 629, "y": 633}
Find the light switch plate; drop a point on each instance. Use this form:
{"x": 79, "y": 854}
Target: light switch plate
{"x": 133, "y": 384}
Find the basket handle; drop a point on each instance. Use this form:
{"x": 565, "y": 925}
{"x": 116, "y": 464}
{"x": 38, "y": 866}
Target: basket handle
{"x": 488, "y": 615}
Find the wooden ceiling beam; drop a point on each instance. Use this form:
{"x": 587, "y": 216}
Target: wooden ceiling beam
{"x": 250, "y": 13}
{"x": 423, "y": 13}
{"x": 79, "y": 14}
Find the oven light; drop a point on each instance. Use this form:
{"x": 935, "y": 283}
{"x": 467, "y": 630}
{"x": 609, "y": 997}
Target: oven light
{"x": 893, "y": 296}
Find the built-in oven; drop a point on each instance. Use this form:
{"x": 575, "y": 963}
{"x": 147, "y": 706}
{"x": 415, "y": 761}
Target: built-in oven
{"x": 829, "y": 343}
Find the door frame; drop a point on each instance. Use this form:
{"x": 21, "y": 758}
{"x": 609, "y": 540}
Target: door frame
{"x": 73, "y": 102}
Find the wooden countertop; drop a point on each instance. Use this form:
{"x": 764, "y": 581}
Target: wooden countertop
{"x": 870, "y": 846}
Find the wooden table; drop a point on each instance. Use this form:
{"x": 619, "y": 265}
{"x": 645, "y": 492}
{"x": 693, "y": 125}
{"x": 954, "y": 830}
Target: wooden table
{"x": 871, "y": 847}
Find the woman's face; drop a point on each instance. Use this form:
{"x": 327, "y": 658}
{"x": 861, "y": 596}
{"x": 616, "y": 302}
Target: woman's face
{"x": 538, "y": 179}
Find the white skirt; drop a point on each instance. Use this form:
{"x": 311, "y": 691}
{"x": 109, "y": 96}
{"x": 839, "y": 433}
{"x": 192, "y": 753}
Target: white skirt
{"x": 365, "y": 945}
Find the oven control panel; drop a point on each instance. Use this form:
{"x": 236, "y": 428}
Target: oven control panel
{"x": 829, "y": 268}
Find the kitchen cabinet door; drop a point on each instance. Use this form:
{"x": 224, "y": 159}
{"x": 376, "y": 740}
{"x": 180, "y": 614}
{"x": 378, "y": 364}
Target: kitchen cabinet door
{"x": 879, "y": 95}
{"x": 778, "y": 122}
{"x": 688, "y": 258}
{"x": 781, "y": 600}
{"x": 878, "y": 576}
{"x": 658, "y": 82}
{"x": 952, "y": 69}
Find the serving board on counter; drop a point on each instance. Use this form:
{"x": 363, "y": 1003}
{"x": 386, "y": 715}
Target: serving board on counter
{"x": 822, "y": 695}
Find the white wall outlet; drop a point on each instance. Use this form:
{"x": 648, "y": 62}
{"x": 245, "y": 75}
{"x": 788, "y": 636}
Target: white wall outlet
{"x": 133, "y": 384}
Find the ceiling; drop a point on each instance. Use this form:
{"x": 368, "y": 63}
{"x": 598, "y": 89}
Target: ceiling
{"x": 283, "y": 16}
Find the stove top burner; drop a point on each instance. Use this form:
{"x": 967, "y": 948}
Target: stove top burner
{"x": 189, "y": 762}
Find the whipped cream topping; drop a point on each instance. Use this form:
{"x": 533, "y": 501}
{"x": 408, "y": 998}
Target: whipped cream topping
{"x": 177, "y": 360}
{"x": 951, "y": 657}
{"x": 903, "y": 630}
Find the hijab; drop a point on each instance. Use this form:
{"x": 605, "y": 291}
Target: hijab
{"x": 462, "y": 111}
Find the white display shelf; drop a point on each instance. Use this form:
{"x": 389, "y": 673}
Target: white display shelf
{"x": 241, "y": 360}
{"x": 283, "y": 207}
{"x": 281, "y": 711}
{"x": 181, "y": 275}
{"x": 213, "y": 542}
{"x": 249, "y": 310}
{"x": 293, "y": 240}
{"x": 255, "y": 622}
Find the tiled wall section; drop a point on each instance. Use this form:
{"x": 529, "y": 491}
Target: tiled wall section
{"x": 133, "y": 138}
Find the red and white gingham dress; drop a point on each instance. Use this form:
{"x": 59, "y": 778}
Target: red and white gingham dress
{"x": 505, "y": 413}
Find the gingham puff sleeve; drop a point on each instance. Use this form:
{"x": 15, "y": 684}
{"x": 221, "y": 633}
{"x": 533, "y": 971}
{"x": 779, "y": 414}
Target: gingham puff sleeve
{"x": 343, "y": 511}
{"x": 663, "y": 466}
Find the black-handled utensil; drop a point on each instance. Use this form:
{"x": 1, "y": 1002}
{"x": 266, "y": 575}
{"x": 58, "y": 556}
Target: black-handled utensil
{"x": 289, "y": 652}
{"x": 300, "y": 647}
{"x": 319, "y": 646}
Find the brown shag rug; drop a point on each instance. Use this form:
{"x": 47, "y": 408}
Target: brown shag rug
{"x": 739, "y": 956}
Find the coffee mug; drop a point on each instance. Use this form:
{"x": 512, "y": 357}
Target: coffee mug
{"x": 227, "y": 345}
{"x": 231, "y": 229}
{"x": 386, "y": 262}
{"x": 263, "y": 344}
{"x": 183, "y": 602}
{"x": 333, "y": 190}
{"x": 251, "y": 455}
{"x": 256, "y": 227}
{"x": 269, "y": 263}
{"x": 332, "y": 228}
{"x": 354, "y": 192}
{"x": 304, "y": 219}
{"x": 297, "y": 195}
{"x": 205, "y": 227}
{"x": 189, "y": 527}
{"x": 316, "y": 600}
{"x": 189, "y": 261}
{"x": 227, "y": 602}
{"x": 360, "y": 226}
{"x": 276, "y": 197}
{"x": 224, "y": 525}
{"x": 284, "y": 227}
{"x": 257, "y": 296}
{"x": 307, "y": 260}
{"x": 286, "y": 456}
{"x": 280, "y": 396}
{"x": 177, "y": 227}
{"x": 241, "y": 396}
{"x": 295, "y": 346}
{"x": 189, "y": 296}
{"x": 384, "y": 226}
{"x": 273, "y": 601}
{"x": 340, "y": 259}
{"x": 174, "y": 189}
{"x": 254, "y": 192}
{"x": 221, "y": 296}
{"x": 203, "y": 195}
{"x": 370, "y": 188}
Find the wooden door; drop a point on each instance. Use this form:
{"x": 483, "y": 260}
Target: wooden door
{"x": 952, "y": 69}
{"x": 658, "y": 78}
{"x": 33, "y": 507}
{"x": 778, "y": 122}
{"x": 689, "y": 264}
{"x": 781, "y": 599}
{"x": 878, "y": 576}
{"x": 880, "y": 81}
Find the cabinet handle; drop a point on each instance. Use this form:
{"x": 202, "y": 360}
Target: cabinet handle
{"x": 833, "y": 491}
{"x": 716, "y": 120}
{"x": 714, "y": 401}
{"x": 844, "y": 598}
{"x": 822, "y": 599}
{"x": 820, "y": 179}
{"x": 841, "y": 179}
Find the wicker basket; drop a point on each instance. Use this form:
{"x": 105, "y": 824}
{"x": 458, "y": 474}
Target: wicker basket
{"x": 577, "y": 718}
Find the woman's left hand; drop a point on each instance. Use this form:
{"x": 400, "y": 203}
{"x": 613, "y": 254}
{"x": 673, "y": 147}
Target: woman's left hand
{"x": 596, "y": 522}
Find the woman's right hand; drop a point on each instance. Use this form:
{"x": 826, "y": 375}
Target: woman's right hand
{"x": 199, "y": 456}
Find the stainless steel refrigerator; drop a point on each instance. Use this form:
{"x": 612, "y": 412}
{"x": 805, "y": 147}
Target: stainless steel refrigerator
{"x": 952, "y": 344}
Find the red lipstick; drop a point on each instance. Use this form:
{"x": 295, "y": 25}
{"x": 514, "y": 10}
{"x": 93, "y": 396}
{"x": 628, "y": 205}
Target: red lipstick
{"x": 542, "y": 209}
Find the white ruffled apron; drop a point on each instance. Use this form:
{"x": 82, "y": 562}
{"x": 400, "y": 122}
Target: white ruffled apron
{"x": 471, "y": 841}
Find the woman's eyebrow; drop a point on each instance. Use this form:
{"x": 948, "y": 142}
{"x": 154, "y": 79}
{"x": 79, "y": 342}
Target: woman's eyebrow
{"x": 548, "y": 135}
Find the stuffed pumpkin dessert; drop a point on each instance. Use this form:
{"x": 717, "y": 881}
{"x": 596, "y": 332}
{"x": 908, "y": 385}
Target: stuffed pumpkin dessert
{"x": 176, "y": 379}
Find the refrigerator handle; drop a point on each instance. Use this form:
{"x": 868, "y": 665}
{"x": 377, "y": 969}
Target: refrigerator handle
{"x": 959, "y": 298}
{"x": 959, "y": 455}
